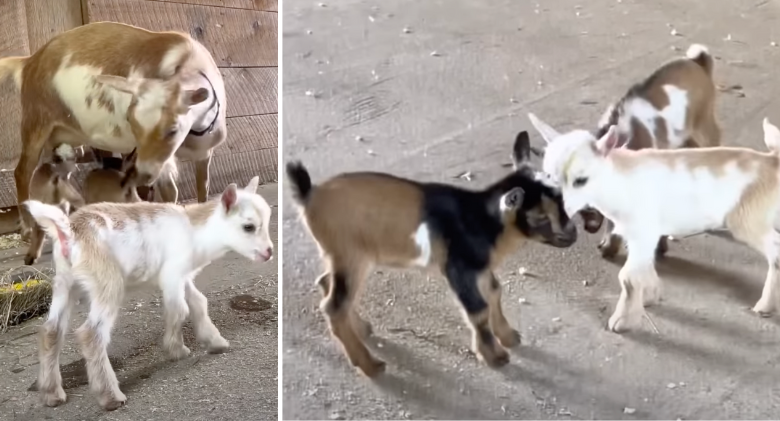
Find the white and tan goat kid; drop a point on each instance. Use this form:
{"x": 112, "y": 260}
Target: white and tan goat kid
{"x": 104, "y": 247}
{"x": 117, "y": 88}
{"x": 651, "y": 193}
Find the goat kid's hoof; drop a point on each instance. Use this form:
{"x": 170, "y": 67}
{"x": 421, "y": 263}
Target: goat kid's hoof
{"x": 373, "y": 368}
{"x": 29, "y": 260}
{"x": 111, "y": 402}
{"x": 495, "y": 358}
{"x": 55, "y": 398}
{"x": 764, "y": 309}
{"x": 621, "y": 323}
{"x": 179, "y": 353}
{"x": 609, "y": 249}
{"x": 510, "y": 340}
{"x": 218, "y": 346}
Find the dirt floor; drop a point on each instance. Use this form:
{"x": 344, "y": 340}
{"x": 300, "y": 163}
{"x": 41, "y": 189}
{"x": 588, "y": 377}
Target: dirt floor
{"x": 434, "y": 89}
{"x": 240, "y": 384}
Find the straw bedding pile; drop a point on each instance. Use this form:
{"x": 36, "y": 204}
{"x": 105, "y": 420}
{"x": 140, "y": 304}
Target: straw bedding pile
{"x": 24, "y": 293}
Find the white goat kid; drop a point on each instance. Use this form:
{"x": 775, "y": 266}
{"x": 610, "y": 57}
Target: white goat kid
{"x": 651, "y": 193}
{"x": 103, "y": 247}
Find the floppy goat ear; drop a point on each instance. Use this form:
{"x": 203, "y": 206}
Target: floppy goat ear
{"x": 512, "y": 200}
{"x": 609, "y": 141}
{"x": 521, "y": 153}
{"x": 548, "y": 133}
{"x": 771, "y": 136}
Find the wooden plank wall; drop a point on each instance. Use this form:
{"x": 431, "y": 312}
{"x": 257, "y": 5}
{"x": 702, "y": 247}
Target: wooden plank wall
{"x": 241, "y": 35}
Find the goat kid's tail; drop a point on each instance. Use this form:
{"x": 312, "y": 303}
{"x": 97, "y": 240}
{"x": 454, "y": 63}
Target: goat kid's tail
{"x": 300, "y": 180}
{"x": 54, "y": 222}
{"x": 12, "y": 66}
{"x": 701, "y": 55}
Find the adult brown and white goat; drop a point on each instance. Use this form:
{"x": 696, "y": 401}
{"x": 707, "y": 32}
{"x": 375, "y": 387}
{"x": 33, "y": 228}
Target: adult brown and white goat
{"x": 651, "y": 193}
{"x": 672, "y": 108}
{"x": 104, "y": 247}
{"x": 117, "y": 87}
{"x": 364, "y": 219}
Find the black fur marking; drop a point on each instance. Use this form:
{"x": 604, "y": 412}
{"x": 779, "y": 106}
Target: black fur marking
{"x": 485, "y": 334}
{"x": 494, "y": 284}
{"x": 339, "y": 292}
{"x": 463, "y": 282}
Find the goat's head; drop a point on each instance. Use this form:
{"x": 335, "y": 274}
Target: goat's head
{"x": 575, "y": 161}
{"x": 64, "y": 158}
{"x": 160, "y": 118}
{"x": 247, "y": 217}
{"x": 535, "y": 204}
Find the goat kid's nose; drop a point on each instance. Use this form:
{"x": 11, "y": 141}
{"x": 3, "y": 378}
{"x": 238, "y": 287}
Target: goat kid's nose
{"x": 270, "y": 252}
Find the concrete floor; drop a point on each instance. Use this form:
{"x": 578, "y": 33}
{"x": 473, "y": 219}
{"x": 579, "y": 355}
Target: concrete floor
{"x": 240, "y": 384}
{"x": 361, "y": 93}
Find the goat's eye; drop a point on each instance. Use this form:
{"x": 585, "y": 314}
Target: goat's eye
{"x": 580, "y": 181}
{"x": 171, "y": 133}
{"x": 250, "y": 228}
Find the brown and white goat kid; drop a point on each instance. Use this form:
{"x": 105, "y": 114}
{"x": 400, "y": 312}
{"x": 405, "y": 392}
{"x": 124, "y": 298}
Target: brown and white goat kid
{"x": 104, "y": 247}
{"x": 51, "y": 184}
{"x": 651, "y": 193}
{"x": 117, "y": 87}
{"x": 105, "y": 184}
{"x": 360, "y": 220}
{"x": 672, "y": 108}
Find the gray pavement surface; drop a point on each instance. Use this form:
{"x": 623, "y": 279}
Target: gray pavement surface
{"x": 447, "y": 95}
{"x": 241, "y": 384}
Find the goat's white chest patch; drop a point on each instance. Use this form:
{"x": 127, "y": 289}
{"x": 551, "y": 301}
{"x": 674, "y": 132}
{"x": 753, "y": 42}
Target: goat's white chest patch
{"x": 100, "y": 111}
{"x": 672, "y": 116}
{"x": 422, "y": 238}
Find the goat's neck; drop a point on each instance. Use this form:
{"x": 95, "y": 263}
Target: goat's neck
{"x": 207, "y": 221}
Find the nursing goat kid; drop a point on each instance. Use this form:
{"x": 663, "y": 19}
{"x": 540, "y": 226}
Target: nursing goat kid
{"x": 364, "y": 219}
{"x": 651, "y": 193}
{"x": 674, "y": 107}
{"x": 104, "y": 247}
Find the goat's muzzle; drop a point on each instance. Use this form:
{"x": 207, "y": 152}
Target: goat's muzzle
{"x": 591, "y": 220}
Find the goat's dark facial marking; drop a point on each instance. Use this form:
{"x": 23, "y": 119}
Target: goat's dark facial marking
{"x": 592, "y": 220}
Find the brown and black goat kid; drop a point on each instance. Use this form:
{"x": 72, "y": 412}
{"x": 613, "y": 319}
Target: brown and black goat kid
{"x": 364, "y": 219}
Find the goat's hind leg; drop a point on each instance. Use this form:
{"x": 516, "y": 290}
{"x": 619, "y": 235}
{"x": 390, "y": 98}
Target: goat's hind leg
{"x": 205, "y": 331}
{"x": 337, "y": 308}
{"x": 51, "y": 336}
{"x": 95, "y": 335}
{"x": 770, "y": 296}
{"x": 361, "y": 326}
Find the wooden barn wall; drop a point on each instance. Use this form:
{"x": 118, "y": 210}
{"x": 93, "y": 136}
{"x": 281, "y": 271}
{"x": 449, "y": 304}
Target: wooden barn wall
{"x": 241, "y": 35}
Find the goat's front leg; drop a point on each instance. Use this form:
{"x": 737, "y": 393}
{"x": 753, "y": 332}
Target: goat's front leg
{"x": 205, "y": 331}
{"x": 176, "y": 312}
{"x": 202, "y": 178}
{"x": 639, "y": 284}
{"x": 166, "y": 183}
{"x": 33, "y": 140}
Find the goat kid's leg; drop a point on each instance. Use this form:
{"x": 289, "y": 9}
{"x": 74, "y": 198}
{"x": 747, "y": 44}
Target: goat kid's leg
{"x": 662, "y": 247}
{"x": 337, "y": 308}
{"x": 639, "y": 285}
{"x": 361, "y": 326}
{"x": 51, "y": 337}
{"x": 37, "y": 237}
{"x": 166, "y": 186}
{"x": 94, "y": 336}
{"x": 176, "y": 311}
{"x": 467, "y": 285}
{"x": 610, "y": 244}
{"x": 770, "y": 299}
{"x": 205, "y": 331}
{"x": 507, "y": 336}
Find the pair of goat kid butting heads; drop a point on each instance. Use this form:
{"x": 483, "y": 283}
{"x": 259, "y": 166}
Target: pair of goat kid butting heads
{"x": 658, "y": 139}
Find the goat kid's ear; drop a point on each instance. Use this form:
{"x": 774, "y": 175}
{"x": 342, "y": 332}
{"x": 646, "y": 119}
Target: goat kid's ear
{"x": 521, "y": 152}
{"x": 253, "y": 184}
{"x": 609, "y": 141}
{"x": 548, "y": 133}
{"x": 771, "y": 136}
{"x": 130, "y": 86}
{"x": 512, "y": 199}
{"x": 230, "y": 196}
{"x": 195, "y": 97}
